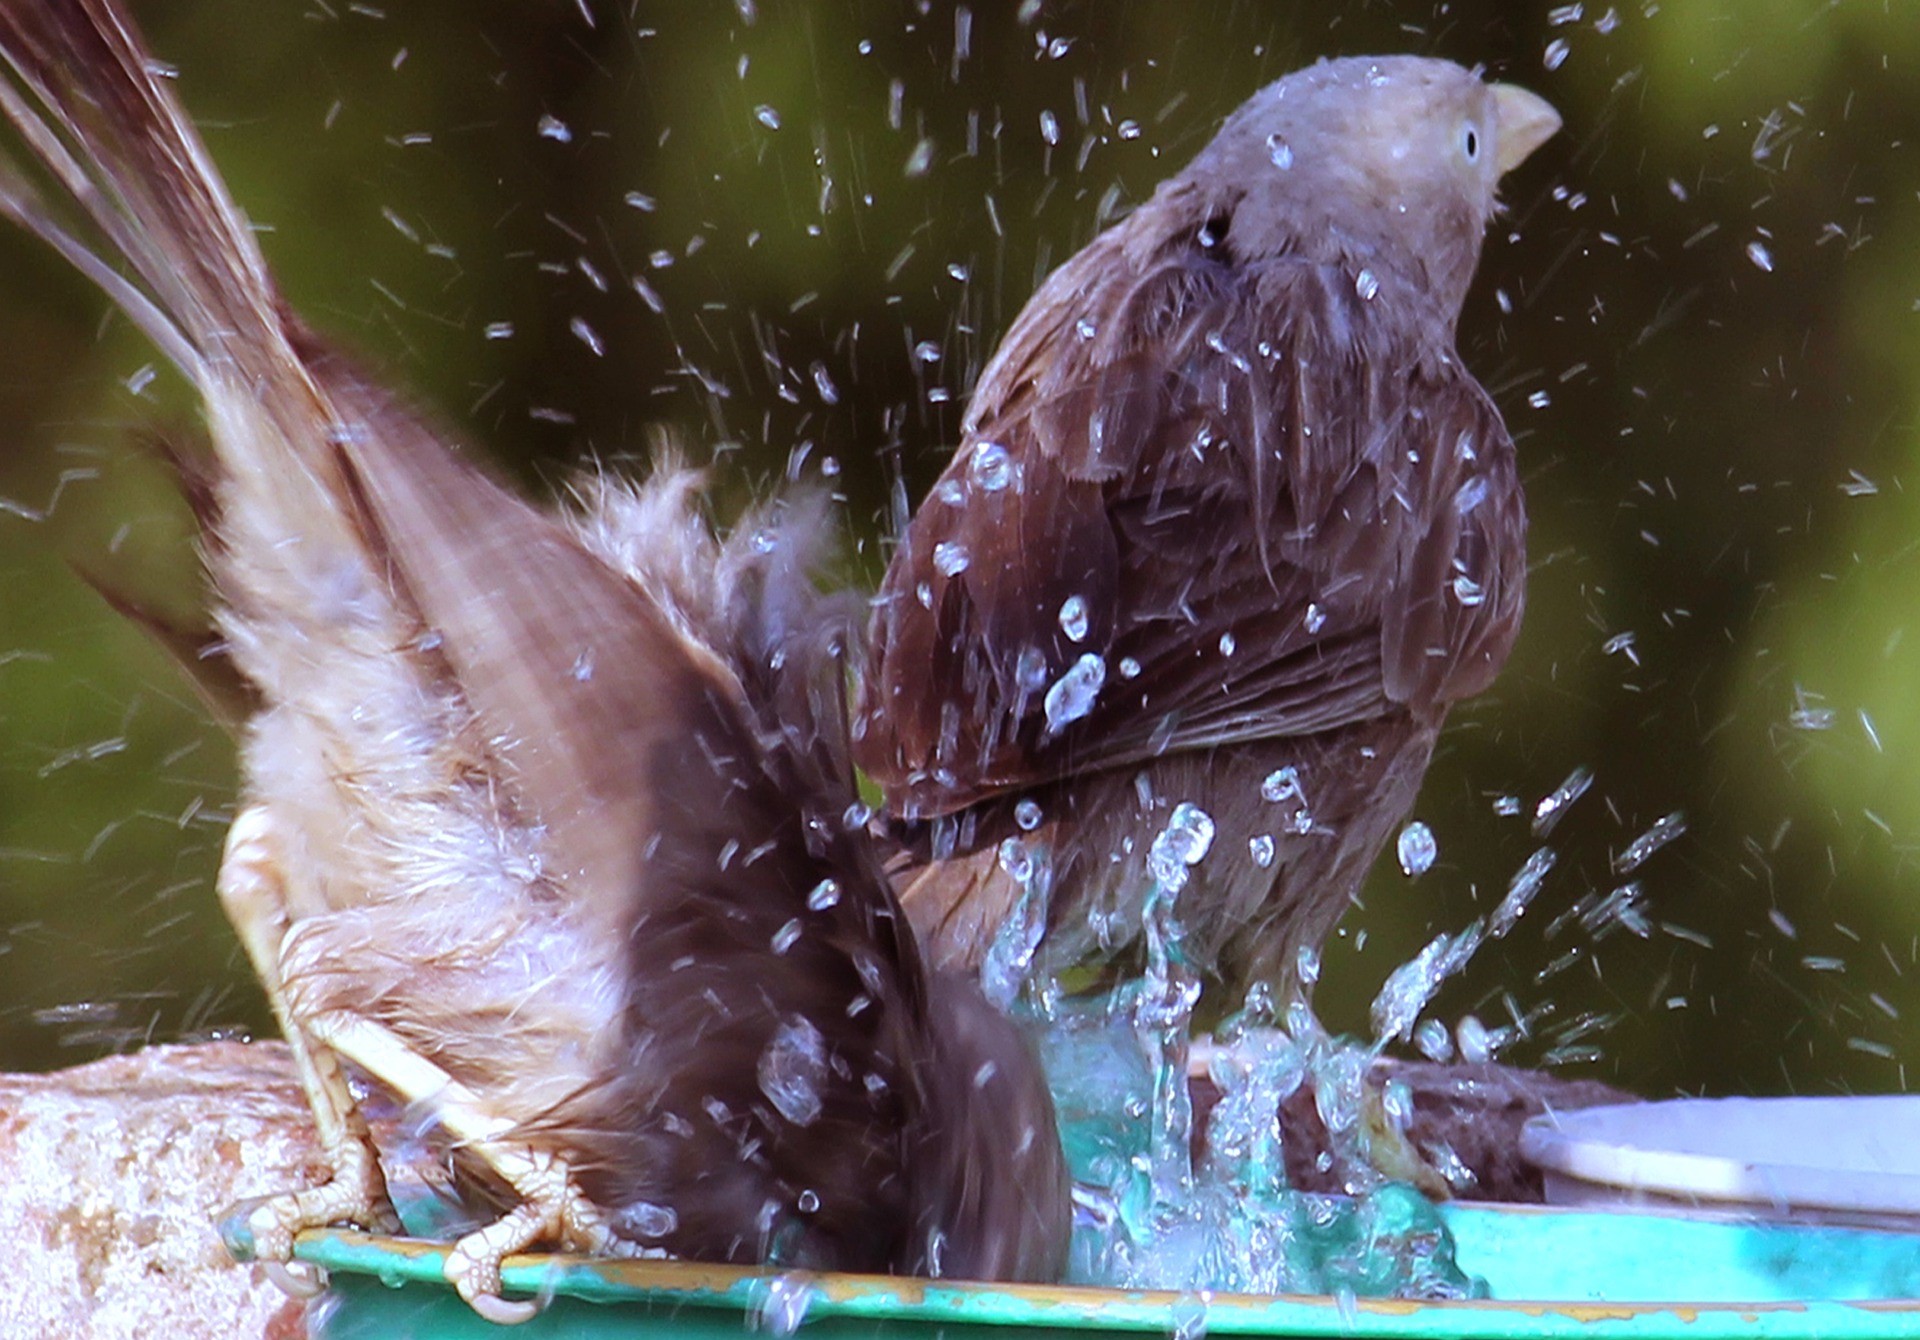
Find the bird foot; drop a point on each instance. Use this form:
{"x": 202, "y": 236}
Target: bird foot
{"x": 263, "y": 1228}
{"x": 552, "y": 1209}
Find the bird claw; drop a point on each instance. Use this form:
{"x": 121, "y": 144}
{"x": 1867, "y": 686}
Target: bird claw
{"x": 552, "y": 1210}
{"x": 296, "y": 1279}
{"x": 263, "y": 1229}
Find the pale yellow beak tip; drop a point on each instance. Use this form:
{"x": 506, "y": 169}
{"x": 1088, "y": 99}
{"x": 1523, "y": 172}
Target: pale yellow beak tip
{"x": 1526, "y": 121}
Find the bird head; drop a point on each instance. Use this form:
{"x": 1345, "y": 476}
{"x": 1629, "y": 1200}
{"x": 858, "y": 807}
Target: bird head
{"x": 1385, "y": 163}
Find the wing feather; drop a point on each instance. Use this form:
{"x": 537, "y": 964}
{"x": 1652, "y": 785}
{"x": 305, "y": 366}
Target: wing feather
{"x": 1227, "y": 469}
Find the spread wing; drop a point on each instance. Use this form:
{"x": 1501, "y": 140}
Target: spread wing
{"x": 1266, "y": 505}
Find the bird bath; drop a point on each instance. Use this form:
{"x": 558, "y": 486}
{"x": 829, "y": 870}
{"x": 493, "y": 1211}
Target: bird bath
{"x": 1552, "y": 1273}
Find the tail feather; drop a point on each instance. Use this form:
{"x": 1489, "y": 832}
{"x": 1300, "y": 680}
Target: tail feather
{"x": 123, "y": 149}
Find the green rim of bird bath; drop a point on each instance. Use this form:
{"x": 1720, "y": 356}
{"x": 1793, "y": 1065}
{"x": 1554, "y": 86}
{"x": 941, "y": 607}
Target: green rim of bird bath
{"x": 1552, "y": 1273}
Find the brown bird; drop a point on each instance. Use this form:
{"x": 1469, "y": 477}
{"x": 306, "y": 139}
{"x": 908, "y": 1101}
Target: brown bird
{"x": 1229, "y": 525}
{"x": 548, "y": 823}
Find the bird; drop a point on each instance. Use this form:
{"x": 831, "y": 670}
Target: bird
{"x": 1228, "y": 530}
{"x": 548, "y": 824}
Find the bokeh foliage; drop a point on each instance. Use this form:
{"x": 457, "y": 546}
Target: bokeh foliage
{"x": 1702, "y": 318}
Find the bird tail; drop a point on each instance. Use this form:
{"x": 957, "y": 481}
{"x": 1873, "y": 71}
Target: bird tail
{"x": 117, "y": 181}
{"x": 93, "y": 108}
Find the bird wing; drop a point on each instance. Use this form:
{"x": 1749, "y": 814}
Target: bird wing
{"x": 1229, "y": 471}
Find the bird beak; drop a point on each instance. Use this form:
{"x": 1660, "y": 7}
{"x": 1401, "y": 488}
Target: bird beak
{"x": 1525, "y": 121}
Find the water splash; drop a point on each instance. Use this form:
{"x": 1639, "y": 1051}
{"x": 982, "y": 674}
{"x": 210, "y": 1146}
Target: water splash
{"x": 1232, "y": 1222}
{"x": 1008, "y": 966}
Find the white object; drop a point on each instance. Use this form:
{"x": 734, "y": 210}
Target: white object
{"x": 1832, "y": 1159}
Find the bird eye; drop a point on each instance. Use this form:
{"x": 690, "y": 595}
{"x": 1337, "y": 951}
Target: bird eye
{"x": 1471, "y": 143}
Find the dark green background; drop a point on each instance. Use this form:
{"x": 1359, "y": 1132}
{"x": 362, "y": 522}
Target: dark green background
{"x": 1691, "y": 463}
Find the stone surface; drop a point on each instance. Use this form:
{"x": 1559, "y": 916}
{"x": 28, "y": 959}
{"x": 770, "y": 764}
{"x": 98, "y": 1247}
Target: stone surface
{"x": 111, "y": 1177}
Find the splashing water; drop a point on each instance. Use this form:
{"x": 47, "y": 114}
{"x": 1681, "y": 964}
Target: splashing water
{"x": 1146, "y": 1215}
{"x": 783, "y": 1303}
{"x": 1008, "y": 967}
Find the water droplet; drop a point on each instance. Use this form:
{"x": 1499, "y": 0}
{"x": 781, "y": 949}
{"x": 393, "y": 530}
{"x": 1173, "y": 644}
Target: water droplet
{"x": 792, "y": 1069}
{"x": 1540, "y": 399}
{"x": 1049, "y": 127}
{"x": 553, "y": 128}
{"x": 784, "y": 938}
{"x": 824, "y": 895}
{"x": 1180, "y": 846}
{"x": 990, "y": 467}
{"x": 950, "y": 558}
{"x": 1016, "y": 860}
{"x": 1553, "y": 806}
{"x": 1467, "y": 591}
{"x": 1028, "y": 815}
{"x": 1433, "y": 1042}
{"x": 1281, "y": 784}
{"x": 1129, "y": 668}
{"x": 1316, "y": 618}
{"x": 1665, "y": 829}
{"x": 1520, "y": 891}
{"x": 1410, "y": 987}
{"x": 785, "y": 1303}
{"x": 1073, "y": 618}
{"x": 1260, "y": 848}
{"x": 1279, "y": 152}
{"x": 920, "y": 159}
{"x": 644, "y": 1219}
{"x": 927, "y": 351}
{"x": 1366, "y": 284}
{"x": 1128, "y": 130}
{"x": 1227, "y": 644}
{"x": 1556, "y": 53}
{"x": 1807, "y": 713}
{"x": 587, "y": 335}
{"x": 1072, "y": 695}
{"x": 1417, "y": 849}
{"x": 1757, "y": 253}
{"x": 767, "y": 116}
{"x": 1085, "y": 328}
{"x": 1188, "y": 1316}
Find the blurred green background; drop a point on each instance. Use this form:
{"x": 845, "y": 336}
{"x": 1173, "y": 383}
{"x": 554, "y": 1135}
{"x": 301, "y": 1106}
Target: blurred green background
{"x": 793, "y": 230}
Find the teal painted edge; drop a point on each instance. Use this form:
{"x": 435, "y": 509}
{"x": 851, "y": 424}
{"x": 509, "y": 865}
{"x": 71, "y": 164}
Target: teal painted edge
{"x": 646, "y": 1286}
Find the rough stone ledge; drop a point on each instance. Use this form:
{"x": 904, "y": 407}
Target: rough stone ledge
{"x": 112, "y": 1174}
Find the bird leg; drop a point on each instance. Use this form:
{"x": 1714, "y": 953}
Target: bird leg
{"x": 551, "y": 1207}
{"x": 252, "y": 884}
